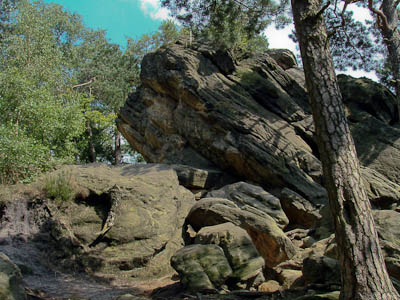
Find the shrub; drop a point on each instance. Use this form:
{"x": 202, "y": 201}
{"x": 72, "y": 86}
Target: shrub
{"x": 21, "y": 157}
{"x": 60, "y": 187}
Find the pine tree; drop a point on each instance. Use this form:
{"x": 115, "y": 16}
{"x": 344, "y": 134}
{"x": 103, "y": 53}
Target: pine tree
{"x": 227, "y": 24}
{"x": 363, "y": 271}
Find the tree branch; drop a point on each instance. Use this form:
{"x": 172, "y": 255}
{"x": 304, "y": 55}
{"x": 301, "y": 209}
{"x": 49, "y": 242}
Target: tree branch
{"x": 321, "y": 11}
{"x": 382, "y": 20}
{"x": 241, "y": 3}
{"x": 343, "y": 24}
{"x": 83, "y": 84}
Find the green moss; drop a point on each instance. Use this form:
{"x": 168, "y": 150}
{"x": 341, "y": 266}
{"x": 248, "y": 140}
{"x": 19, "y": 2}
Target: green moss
{"x": 250, "y": 78}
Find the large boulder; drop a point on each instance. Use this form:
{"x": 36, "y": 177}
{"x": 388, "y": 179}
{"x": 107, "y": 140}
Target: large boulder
{"x": 243, "y": 257}
{"x": 125, "y": 220}
{"x": 387, "y": 223}
{"x": 252, "y": 198}
{"x": 299, "y": 210}
{"x": 321, "y": 269}
{"x": 271, "y": 242}
{"x": 201, "y": 267}
{"x": 197, "y": 179}
{"x": 11, "y": 287}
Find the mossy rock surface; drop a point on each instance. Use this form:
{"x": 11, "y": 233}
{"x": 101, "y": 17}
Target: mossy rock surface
{"x": 146, "y": 221}
{"x": 201, "y": 267}
{"x": 238, "y": 248}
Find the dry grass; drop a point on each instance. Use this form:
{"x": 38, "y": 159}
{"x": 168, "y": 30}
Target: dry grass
{"x": 9, "y": 193}
{"x": 59, "y": 185}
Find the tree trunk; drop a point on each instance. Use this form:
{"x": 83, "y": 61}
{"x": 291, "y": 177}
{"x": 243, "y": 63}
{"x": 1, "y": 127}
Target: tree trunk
{"x": 363, "y": 271}
{"x": 117, "y": 148}
{"x": 387, "y": 21}
{"x": 92, "y": 151}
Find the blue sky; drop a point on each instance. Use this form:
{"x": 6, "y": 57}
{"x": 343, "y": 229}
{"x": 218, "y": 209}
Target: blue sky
{"x": 133, "y": 18}
{"x": 120, "y": 18}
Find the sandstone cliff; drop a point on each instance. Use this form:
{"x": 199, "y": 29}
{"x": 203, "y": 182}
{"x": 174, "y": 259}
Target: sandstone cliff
{"x": 251, "y": 119}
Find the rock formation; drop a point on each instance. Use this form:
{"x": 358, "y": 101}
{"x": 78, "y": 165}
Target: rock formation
{"x": 189, "y": 111}
{"x": 150, "y": 213}
{"x": 144, "y": 232}
{"x": 250, "y": 119}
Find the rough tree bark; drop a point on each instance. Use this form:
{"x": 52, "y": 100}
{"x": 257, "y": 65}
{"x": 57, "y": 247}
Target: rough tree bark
{"x": 387, "y": 19}
{"x": 363, "y": 271}
{"x": 117, "y": 148}
{"x": 92, "y": 151}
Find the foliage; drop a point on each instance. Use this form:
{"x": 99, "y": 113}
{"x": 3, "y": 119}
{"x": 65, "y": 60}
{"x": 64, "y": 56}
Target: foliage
{"x": 168, "y": 33}
{"x": 358, "y": 45}
{"x": 111, "y": 75}
{"x": 103, "y": 130}
{"x": 21, "y": 157}
{"x": 229, "y": 24}
{"x": 42, "y": 116}
{"x": 351, "y": 42}
{"x": 385, "y": 75}
{"x": 46, "y": 106}
{"x": 60, "y": 187}
{"x": 7, "y": 10}
{"x": 61, "y": 86}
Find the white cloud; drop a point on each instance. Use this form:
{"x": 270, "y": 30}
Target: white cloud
{"x": 153, "y": 9}
{"x": 360, "y": 73}
{"x": 280, "y": 38}
{"x": 160, "y": 14}
{"x": 360, "y": 13}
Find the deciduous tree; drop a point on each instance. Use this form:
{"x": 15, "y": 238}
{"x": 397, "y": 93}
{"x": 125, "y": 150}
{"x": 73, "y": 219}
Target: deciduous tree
{"x": 37, "y": 110}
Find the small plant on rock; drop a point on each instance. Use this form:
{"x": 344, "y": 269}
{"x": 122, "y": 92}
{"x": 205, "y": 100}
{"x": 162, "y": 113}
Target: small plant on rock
{"x": 60, "y": 187}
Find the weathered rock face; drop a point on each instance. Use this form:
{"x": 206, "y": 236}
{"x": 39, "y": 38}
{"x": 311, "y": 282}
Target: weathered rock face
{"x": 388, "y": 226}
{"x": 253, "y": 199}
{"x": 126, "y": 221}
{"x": 273, "y": 245}
{"x": 371, "y": 109}
{"x": 382, "y": 192}
{"x": 202, "y": 267}
{"x": 148, "y": 216}
{"x": 242, "y": 256}
{"x": 246, "y": 120}
{"x": 252, "y": 119}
